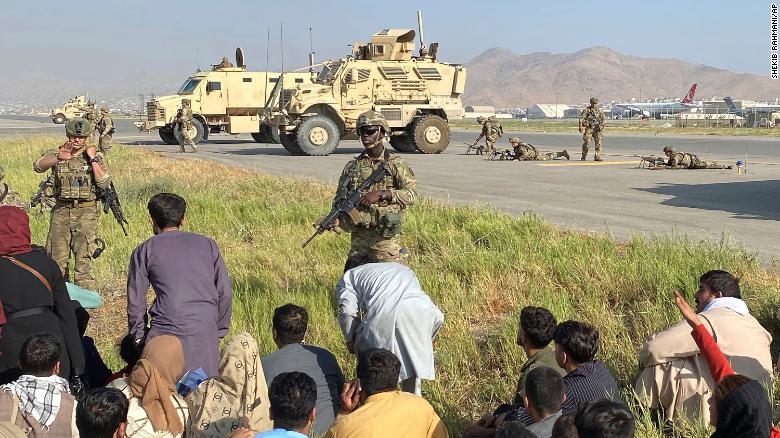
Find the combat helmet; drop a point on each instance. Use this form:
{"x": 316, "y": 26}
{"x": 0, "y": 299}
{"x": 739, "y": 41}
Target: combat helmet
{"x": 594, "y": 100}
{"x": 514, "y": 140}
{"x": 669, "y": 149}
{"x": 78, "y": 127}
{"x": 372, "y": 118}
{"x": 481, "y": 119}
{"x": 104, "y": 109}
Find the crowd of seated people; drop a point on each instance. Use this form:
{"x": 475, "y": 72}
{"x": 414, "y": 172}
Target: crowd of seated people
{"x": 713, "y": 366}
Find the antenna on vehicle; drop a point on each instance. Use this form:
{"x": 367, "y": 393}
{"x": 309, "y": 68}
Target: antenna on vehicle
{"x": 311, "y": 53}
{"x": 197, "y": 60}
{"x": 267, "y": 56}
{"x": 281, "y": 42}
{"x": 423, "y": 49}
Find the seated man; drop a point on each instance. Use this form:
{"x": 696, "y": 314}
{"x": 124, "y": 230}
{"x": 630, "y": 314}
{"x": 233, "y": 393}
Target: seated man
{"x": 675, "y": 377}
{"x": 685, "y": 160}
{"x": 586, "y": 379}
{"x": 604, "y": 418}
{"x": 382, "y": 407}
{"x": 397, "y": 315}
{"x": 543, "y": 399}
{"x": 527, "y": 152}
{"x": 39, "y": 400}
{"x": 289, "y": 328}
{"x": 102, "y": 413}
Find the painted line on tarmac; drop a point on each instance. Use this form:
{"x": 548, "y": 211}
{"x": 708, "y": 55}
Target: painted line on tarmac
{"x": 588, "y": 163}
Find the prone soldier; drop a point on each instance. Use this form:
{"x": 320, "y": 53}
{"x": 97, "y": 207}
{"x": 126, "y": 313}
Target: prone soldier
{"x": 375, "y": 224}
{"x": 106, "y": 128}
{"x": 686, "y": 160}
{"x": 591, "y": 126}
{"x": 186, "y": 128}
{"x": 528, "y": 152}
{"x": 78, "y": 169}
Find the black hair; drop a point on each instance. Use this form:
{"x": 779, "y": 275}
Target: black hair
{"x": 578, "y": 339}
{"x": 358, "y": 260}
{"x": 39, "y": 354}
{"x": 564, "y": 427}
{"x": 514, "y": 429}
{"x": 293, "y": 395}
{"x": 604, "y": 419}
{"x": 544, "y": 389}
{"x": 129, "y": 351}
{"x": 290, "y": 322}
{"x": 100, "y": 412}
{"x": 167, "y": 209}
{"x": 538, "y": 324}
{"x": 82, "y": 317}
{"x": 378, "y": 370}
{"x": 723, "y": 282}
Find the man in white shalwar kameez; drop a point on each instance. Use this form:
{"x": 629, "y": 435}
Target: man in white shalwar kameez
{"x": 382, "y": 305}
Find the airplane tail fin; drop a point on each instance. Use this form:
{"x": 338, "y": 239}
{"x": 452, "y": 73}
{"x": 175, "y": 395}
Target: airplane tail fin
{"x": 730, "y": 103}
{"x": 689, "y": 97}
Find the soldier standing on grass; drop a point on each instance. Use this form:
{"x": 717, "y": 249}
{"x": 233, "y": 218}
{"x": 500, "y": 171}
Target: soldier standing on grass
{"x": 78, "y": 169}
{"x": 591, "y": 126}
{"x": 106, "y": 128}
{"x": 186, "y": 128}
{"x": 375, "y": 225}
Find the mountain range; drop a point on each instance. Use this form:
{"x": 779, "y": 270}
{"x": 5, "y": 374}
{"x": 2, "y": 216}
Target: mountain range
{"x": 502, "y": 78}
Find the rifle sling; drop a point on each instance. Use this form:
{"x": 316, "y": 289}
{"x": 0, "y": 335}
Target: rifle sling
{"x": 5, "y": 192}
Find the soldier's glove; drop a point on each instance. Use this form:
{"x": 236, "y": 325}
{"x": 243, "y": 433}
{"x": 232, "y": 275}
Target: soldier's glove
{"x": 79, "y": 385}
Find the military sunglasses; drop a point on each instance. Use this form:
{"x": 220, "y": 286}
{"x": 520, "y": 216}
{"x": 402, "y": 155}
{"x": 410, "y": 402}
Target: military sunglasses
{"x": 368, "y": 130}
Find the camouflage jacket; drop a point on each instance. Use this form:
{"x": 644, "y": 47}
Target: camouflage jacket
{"x": 682, "y": 160}
{"x": 105, "y": 125}
{"x": 184, "y": 116}
{"x": 74, "y": 178}
{"x": 592, "y": 118}
{"x": 525, "y": 150}
{"x": 400, "y": 181}
{"x": 9, "y": 197}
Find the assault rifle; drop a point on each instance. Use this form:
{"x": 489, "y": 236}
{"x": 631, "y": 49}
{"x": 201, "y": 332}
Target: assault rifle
{"x": 110, "y": 200}
{"x": 651, "y": 161}
{"x": 478, "y": 149}
{"x": 347, "y": 202}
{"x": 42, "y": 186}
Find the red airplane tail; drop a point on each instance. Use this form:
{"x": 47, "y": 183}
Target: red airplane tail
{"x": 689, "y": 97}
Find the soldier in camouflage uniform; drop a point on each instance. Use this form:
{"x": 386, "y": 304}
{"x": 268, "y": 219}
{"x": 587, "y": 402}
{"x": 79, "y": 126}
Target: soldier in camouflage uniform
{"x": 186, "y": 128}
{"x": 7, "y": 195}
{"x": 685, "y": 160}
{"x": 527, "y": 152}
{"x": 106, "y": 128}
{"x": 492, "y": 131}
{"x": 78, "y": 169}
{"x": 591, "y": 126}
{"x": 375, "y": 225}
{"x": 91, "y": 115}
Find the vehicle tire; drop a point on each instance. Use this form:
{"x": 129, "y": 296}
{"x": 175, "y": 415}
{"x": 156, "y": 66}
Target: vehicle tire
{"x": 59, "y": 119}
{"x": 167, "y": 136}
{"x": 402, "y": 143}
{"x": 264, "y": 136}
{"x": 199, "y": 136}
{"x": 318, "y": 135}
{"x": 290, "y": 144}
{"x": 431, "y": 134}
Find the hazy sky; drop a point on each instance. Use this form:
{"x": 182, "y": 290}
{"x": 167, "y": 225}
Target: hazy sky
{"x": 117, "y": 39}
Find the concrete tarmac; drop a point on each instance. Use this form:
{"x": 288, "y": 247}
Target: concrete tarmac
{"x": 613, "y": 197}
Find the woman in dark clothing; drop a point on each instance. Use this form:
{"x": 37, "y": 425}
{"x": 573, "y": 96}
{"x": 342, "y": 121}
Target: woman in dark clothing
{"x": 28, "y": 303}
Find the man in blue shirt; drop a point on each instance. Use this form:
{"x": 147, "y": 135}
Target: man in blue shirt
{"x": 293, "y": 396}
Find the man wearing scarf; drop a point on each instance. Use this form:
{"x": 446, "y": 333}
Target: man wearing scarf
{"x": 39, "y": 401}
{"x": 78, "y": 170}
{"x": 675, "y": 376}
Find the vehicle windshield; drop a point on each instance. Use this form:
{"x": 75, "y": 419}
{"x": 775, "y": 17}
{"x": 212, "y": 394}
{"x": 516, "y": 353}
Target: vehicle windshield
{"x": 328, "y": 72}
{"x": 189, "y": 86}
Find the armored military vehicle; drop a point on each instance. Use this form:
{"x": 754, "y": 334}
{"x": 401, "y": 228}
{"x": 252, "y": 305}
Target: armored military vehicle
{"x": 416, "y": 94}
{"x": 227, "y": 99}
{"x": 74, "y": 107}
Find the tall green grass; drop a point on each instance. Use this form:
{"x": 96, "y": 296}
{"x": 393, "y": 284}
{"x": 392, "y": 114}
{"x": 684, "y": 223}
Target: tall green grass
{"x": 480, "y": 266}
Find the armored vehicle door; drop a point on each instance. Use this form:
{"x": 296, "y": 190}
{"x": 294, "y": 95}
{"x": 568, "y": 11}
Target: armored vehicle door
{"x": 213, "y": 94}
{"x": 357, "y": 86}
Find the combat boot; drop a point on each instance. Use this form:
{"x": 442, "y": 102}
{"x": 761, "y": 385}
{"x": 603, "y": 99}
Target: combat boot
{"x": 583, "y": 158}
{"x": 598, "y": 159}
{"x": 194, "y": 149}
{"x": 565, "y": 153}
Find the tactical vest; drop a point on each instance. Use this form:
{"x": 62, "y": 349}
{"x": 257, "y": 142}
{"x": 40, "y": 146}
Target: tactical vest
{"x": 386, "y": 217}
{"x": 592, "y": 119}
{"x": 74, "y": 180}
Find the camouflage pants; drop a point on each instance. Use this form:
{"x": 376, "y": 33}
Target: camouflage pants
{"x": 700, "y": 164}
{"x": 366, "y": 242}
{"x": 105, "y": 143}
{"x": 74, "y": 229}
{"x": 597, "y": 138}
{"x": 538, "y": 156}
{"x": 490, "y": 144}
{"x": 187, "y": 136}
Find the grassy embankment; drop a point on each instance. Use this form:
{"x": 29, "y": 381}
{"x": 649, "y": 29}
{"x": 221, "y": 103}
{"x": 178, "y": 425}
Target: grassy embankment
{"x": 617, "y": 127}
{"x": 479, "y": 266}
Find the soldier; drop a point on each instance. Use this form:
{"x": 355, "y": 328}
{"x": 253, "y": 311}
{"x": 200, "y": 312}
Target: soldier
{"x": 685, "y": 160}
{"x": 7, "y": 195}
{"x": 106, "y": 128}
{"x": 375, "y": 225}
{"x": 492, "y": 131}
{"x": 591, "y": 126}
{"x": 91, "y": 115}
{"x": 78, "y": 169}
{"x": 225, "y": 63}
{"x": 527, "y": 152}
{"x": 186, "y": 128}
